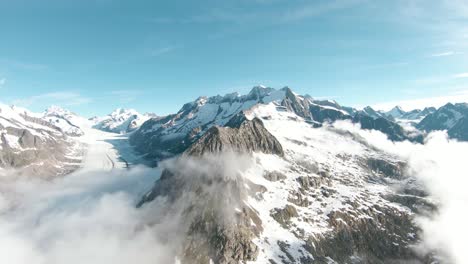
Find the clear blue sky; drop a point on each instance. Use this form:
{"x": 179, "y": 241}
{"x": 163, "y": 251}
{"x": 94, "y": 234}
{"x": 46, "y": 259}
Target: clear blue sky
{"x": 92, "y": 56}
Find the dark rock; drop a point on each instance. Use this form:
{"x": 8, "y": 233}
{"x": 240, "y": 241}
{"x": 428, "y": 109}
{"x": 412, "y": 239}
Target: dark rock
{"x": 284, "y": 215}
{"x": 274, "y": 176}
{"x": 250, "y": 136}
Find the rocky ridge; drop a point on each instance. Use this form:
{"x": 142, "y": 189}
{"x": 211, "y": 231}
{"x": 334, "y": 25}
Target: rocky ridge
{"x": 301, "y": 198}
{"x": 32, "y": 145}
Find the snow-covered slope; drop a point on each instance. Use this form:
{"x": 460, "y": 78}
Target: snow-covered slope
{"x": 165, "y": 136}
{"x": 121, "y": 121}
{"x": 33, "y": 144}
{"x": 327, "y": 196}
{"x": 67, "y": 121}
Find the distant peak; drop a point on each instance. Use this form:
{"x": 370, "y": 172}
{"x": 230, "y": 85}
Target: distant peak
{"x": 56, "y": 110}
{"x": 260, "y": 89}
{"x": 397, "y": 109}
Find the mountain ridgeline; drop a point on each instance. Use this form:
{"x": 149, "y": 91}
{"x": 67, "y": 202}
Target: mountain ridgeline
{"x": 291, "y": 202}
{"x": 38, "y": 144}
{"x": 267, "y": 177}
{"x": 166, "y": 136}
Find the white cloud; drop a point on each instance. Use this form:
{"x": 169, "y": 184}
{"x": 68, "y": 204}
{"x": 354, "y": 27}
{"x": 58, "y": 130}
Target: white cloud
{"x": 441, "y": 167}
{"x": 461, "y": 75}
{"x": 239, "y": 15}
{"x": 161, "y": 51}
{"x": 2, "y": 82}
{"x": 436, "y": 101}
{"x": 91, "y": 216}
{"x": 57, "y": 98}
{"x": 314, "y": 10}
{"x": 83, "y": 218}
{"x": 443, "y": 54}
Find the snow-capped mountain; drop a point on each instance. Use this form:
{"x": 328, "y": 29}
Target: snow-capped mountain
{"x": 34, "y": 144}
{"x": 121, "y": 121}
{"x": 267, "y": 177}
{"x": 450, "y": 117}
{"x": 415, "y": 115}
{"x": 396, "y": 112}
{"x": 63, "y": 119}
{"x": 376, "y": 114}
{"x": 169, "y": 135}
{"x": 303, "y": 194}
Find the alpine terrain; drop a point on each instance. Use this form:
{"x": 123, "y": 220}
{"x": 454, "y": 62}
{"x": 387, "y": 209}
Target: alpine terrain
{"x": 266, "y": 177}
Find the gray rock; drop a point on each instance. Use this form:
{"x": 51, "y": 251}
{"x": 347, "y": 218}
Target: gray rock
{"x": 249, "y": 136}
{"x": 283, "y": 215}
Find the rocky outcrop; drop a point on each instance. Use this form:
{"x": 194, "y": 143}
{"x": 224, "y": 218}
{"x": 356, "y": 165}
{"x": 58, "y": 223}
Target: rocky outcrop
{"x": 283, "y": 215}
{"x": 385, "y": 237}
{"x": 245, "y": 137}
{"x": 217, "y": 224}
{"x": 389, "y": 169}
{"x": 394, "y": 131}
{"x": 220, "y": 226}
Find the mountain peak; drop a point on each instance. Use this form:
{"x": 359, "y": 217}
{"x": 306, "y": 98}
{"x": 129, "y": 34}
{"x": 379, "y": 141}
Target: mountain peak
{"x": 260, "y": 91}
{"x": 396, "y": 112}
{"x": 56, "y": 110}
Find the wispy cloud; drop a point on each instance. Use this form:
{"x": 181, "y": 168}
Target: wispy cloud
{"x": 58, "y": 98}
{"x": 461, "y": 75}
{"x": 460, "y": 96}
{"x": 125, "y": 96}
{"x": 2, "y": 82}
{"x": 238, "y": 15}
{"x": 313, "y": 10}
{"x": 24, "y": 65}
{"x": 161, "y": 51}
{"x": 443, "y": 54}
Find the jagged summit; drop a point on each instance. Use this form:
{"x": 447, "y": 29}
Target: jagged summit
{"x": 121, "y": 121}
{"x": 450, "y": 117}
{"x": 240, "y": 135}
{"x": 328, "y": 203}
{"x": 170, "y": 135}
{"x": 396, "y": 112}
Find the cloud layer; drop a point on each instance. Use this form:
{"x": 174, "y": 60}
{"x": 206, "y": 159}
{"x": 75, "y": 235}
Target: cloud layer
{"x": 440, "y": 165}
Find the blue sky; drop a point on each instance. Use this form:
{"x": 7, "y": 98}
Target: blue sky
{"x": 94, "y": 56}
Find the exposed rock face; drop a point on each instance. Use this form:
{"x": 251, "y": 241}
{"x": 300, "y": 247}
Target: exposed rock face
{"x": 294, "y": 104}
{"x": 284, "y": 215}
{"x": 389, "y": 169}
{"x": 274, "y": 176}
{"x": 220, "y": 225}
{"x": 394, "y": 131}
{"x": 385, "y": 237}
{"x": 248, "y": 136}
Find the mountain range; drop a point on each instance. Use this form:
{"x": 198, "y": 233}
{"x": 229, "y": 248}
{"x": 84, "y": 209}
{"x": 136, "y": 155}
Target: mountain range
{"x": 266, "y": 177}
